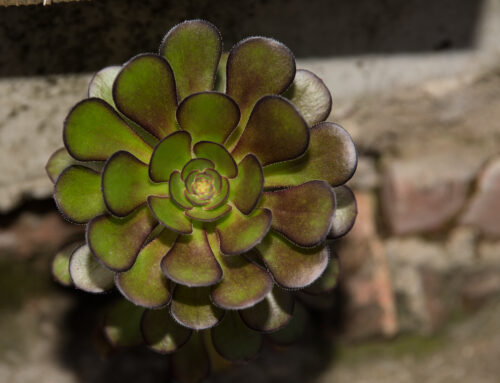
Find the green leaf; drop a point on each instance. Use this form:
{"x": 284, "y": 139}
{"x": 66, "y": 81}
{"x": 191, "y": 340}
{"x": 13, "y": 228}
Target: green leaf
{"x": 345, "y": 213}
{"x": 331, "y": 157}
{"x": 220, "y": 76}
{"x": 169, "y": 214}
{"x": 196, "y": 164}
{"x": 93, "y": 131}
{"x": 78, "y": 194}
{"x": 170, "y": 154}
{"x": 302, "y": 213}
{"x": 200, "y": 214}
{"x": 244, "y": 283}
{"x": 191, "y": 261}
{"x": 122, "y": 324}
{"x": 256, "y": 67}
{"x": 60, "y": 160}
{"x": 271, "y": 314}
{"x": 145, "y": 284}
{"x": 144, "y": 91}
{"x": 101, "y": 85}
{"x": 60, "y": 264}
{"x": 221, "y": 197}
{"x": 311, "y": 97}
{"x": 193, "y": 49}
{"x": 246, "y": 189}
{"x": 238, "y": 233}
{"x": 329, "y": 279}
{"x": 191, "y": 363}
{"x": 218, "y": 154}
{"x": 275, "y": 132}
{"x": 117, "y": 241}
{"x": 294, "y": 329}
{"x": 292, "y": 267}
{"x": 235, "y": 341}
{"x": 162, "y": 333}
{"x": 126, "y": 184}
{"x": 89, "y": 275}
{"x": 208, "y": 116}
{"x": 176, "y": 188}
{"x": 191, "y": 307}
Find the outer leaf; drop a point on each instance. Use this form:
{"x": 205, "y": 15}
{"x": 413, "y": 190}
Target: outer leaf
{"x": 191, "y": 363}
{"x": 176, "y": 188}
{"x": 89, "y": 275}
{"x": 272, "y": 314}
{"x": 302, "y": 213}
{"x": 191, "y": 307}
{"x": 93, "y": 131}
{"x": 196, "y": 164}
{"x": 220, "y": 76}
{"x": 117, "y": 241}
{"x": 101, "y": 85}
{"x": 193, "y": 49}
{"x": 126, "y": 184}
{"x": 170, "y": 154}
{"x": 329, "y": 279}
{"x": 345, "y": 213}
{"x": 218, "y": 154}
{"x": 60, "y": 264}
{"x": 60, "y": 160}
{"x": 257, "y": 67}
{"x": 162, "y": 333}
{"x": 144, "y": 91}
{"x": 145, "y": 284}
{"x": 311, "y": 96}
{"x": 200, "y": 214}
{"x": 244, "y": 283}
{"x": 294, "y": 329}
{"x": 331, "y": 157}
{"x": 292, "y": 267}
{"x": 208, "y": 116}
{"x": 191, "y": 261}
{"x": 246, "y": 189}
{"x": 78, "y": 194}
{"x": 122, "y": 324}
{"x": 238, "y": 233}
{"x": 275, "y": 132}
{"x": 235, "y": 341}
{"x": 169, "y": 214}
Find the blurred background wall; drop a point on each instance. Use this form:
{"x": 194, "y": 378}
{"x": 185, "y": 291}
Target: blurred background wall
{"x": 416, "y": 83}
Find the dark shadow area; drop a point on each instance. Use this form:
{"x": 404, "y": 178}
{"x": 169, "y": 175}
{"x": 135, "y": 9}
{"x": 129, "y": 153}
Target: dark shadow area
{"x": 40, "y": 206}
{"x": 86, "y": 36}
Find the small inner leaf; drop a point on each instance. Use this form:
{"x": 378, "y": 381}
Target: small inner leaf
{"x": 221, "y": 197}
{"x": 176, "y": 189}
{"x": 196, "y": 164}
{"x": 169, "y": 155}
{"x": 169, "y": 214}
{"x": 218, "y": 154}
{"x": 200, "y": 214}
{"x": 89, "y": 275}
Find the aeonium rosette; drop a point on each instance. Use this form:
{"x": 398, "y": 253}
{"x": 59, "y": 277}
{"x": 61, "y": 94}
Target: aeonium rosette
{"x": 209, "y": 183}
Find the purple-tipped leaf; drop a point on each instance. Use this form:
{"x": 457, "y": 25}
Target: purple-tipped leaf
{"x": 170, "y": 214}
{"x": 218, "y": 154}
{"x": 246, "y": 188}
{"x": 162, "y": 333}
{"x": 171, "y": 154}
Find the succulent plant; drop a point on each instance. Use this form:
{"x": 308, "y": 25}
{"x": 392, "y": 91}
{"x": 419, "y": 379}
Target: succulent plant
{"x": 209, "y": 183}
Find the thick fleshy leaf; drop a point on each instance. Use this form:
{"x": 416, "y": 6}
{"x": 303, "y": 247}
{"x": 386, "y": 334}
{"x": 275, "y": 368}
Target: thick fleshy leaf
{"x": 93, "y": 131}
{"x": 162, "y": 333}
{"x": 169, "y": 214}
{"x": 243, "y": 284}
{"x": 144, "y": 91}
{"x": 302, "y": 213}
{"x": 272, "y": 314}
{"x": 311, "y": 97}
{"x": 256, "y": 67}
{"x": 195, "y": 200}
{"x": 235, "y": 341}
{"x": 122, "y": 324}
{"x": 331, "y": 157}
{"x": 275, "y": 132}
{"x": 60, "y": 264}
{"x": 196, "y": 164}
{"x": 345, "y": 212}
{"x": 170, "y": 154}
{"x": 191, "y": 363}
{"x": 78, "y": 194}
{"x": 218, "y": 154}
{"x": 329, "y": 279}
{"x": 126, "y": 184}
{"x": 101, "y": 85}
{"x": 208, "y": 116}
{"x": 191, "y": 261}
{"x": 145, "y": 284}
{"x": 293, "y": 267}
{"x": 191, "y": 307}
{"x": 238, "y": 233}
{"x": 246, "y": 189}
{"x": 176, "y": 188}
{"x": 200, "y": 214}
{"x": 60, "y": 160}
{"x": 193, "y": 49}
{"x": 294, "y": 329}
{"x": 117, "y": 241}
{"x": 220, "y": 76}
{"x": 89, "y": 275}
{"x": 219, "y": 199}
